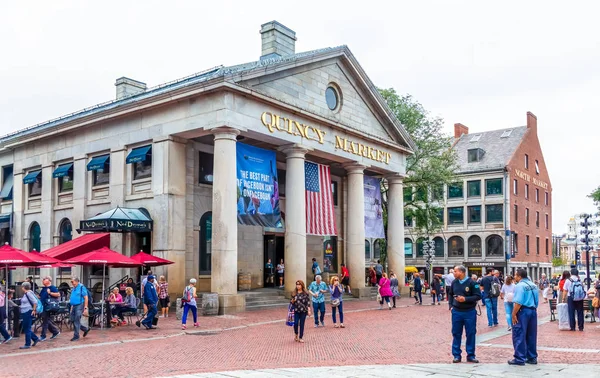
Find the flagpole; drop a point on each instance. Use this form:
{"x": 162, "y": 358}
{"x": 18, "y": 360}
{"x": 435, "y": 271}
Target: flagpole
{"x": 102, "y": 298}
{"x": 6, "y": 298}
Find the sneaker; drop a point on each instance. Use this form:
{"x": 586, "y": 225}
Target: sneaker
{"x": 509, "y": 329}
{"x": 138, "y": 323}
{"x": 438, "y": 303}
{"x": 183, "y": 326}
{"x": 316, "y": 326}
{"x": 75, "y": 339}
{"x": 54, "y": 336}
{"x": 25, "y": 347}
{"x": 35, "y": 342}
{"x": 42, "y": 339}
{"x": 86, "y": 332}
{"x": 322, "y": 324}
{"x": 196, "y": 324}
{"x": 124, "y": 322}
{"x": 7, "y": 340}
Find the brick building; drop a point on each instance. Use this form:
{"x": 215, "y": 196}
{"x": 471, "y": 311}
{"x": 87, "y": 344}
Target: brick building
{"x": 499, "y": 212}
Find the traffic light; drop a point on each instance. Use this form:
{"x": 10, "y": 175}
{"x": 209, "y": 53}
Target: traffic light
{"x": 577, "y": 257}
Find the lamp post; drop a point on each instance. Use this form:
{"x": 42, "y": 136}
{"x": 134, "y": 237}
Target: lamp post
{"x": 587, "y": 239}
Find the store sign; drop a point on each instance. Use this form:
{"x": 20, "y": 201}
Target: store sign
{"x": 274, "y": 122}
{"x": 480, "y": 263}
{"x": 528, "y": 178}
{"x": 533, "y": 265}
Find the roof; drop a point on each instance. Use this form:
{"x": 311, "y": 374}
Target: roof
{"x": 497, "y": 150}
{"x": 78, "y": 246}
{"x": 218, "y": 72}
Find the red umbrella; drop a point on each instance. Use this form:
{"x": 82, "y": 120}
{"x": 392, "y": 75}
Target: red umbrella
{"x": 149, "y": 260}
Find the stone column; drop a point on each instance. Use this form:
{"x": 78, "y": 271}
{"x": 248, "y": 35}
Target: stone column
{"x": 356, "y": 230}
{"x": 46, "y": 218}
{"x": 295, "y": 218}
{"x": 395, "y": 233}
{"x": 118, "y": 180}
{"x": 224, "y": 222}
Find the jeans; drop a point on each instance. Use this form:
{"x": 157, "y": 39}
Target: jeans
{"x": 508, "y": 308}
{"x": 316, "y": 308}
{"x": 436, "y": 296}
{"x": 491, "y": 305}
{"x": 76, "y": 312}
{"x": 187, "y": 307}
{"x": 386, "y": 299}
{"x": 340, "y": 307}
{"x": 554, "y": 294}
{"x": 524, "y": 335}
{"x": 27, "y": 319}
{"x": 299, "y": 320}
{"x": 468, "y": 321}
{"x": 575, "y": 306}
{"x": 47, "y": 323}
{"x": 3, "y": 332}
{"x": 420, "y": 296}
{"x": 152, "y": 311}
{"x": 119, "y": 310}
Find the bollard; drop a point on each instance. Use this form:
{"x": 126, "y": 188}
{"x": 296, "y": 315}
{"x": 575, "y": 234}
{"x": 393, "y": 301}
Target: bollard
{"x": 16, "y": 321}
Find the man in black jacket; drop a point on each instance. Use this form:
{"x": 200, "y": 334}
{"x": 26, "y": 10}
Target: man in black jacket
{"x": 465, "y": 295}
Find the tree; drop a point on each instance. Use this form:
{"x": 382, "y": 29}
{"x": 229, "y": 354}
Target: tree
{"x": 432, "y": 165}
{"x": 558, "y": 261}
{"x": 595, "y": 196}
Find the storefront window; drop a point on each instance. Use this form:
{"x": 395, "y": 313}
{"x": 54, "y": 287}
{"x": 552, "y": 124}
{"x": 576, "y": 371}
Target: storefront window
{"x": 439, "y": 246}
{"x": 493, "y": 187}
{"x": 494, "y": 246}
{"x": 493, "y": 213}
{"x": 206, "y": 243}
{"x": 474, "y": 214}
{"x": 474, "y": 188}
{"x": 455, "y": 190}
{"x": 408, "y": 247}
{"x": 455, "y": 215}
{"x": 474, "y": 246}
{"x": 456, "y": 247}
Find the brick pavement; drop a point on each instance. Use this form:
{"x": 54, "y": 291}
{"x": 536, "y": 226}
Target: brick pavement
{"x": 260, "y": 339}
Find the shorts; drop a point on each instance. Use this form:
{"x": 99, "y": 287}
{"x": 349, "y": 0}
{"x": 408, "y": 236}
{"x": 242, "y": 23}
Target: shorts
{"x": 346, "y": 281}
{"x": 164, "y": 302}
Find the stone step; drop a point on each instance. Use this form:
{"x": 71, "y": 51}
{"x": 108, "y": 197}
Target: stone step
{"x": 266, "y": 300}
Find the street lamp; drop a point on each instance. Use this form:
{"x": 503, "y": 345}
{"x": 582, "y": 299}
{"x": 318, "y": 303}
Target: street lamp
{"x": 587, "y": 239}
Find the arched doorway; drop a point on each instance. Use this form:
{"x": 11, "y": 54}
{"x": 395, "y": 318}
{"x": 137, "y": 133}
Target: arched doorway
{"x": 206, "y": 243}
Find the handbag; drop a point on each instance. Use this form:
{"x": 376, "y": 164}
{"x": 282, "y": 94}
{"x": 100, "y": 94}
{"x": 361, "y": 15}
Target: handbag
{"x": 596, "y": 302}
{"x": 378, "y": 297}
{"x": 335, "y": 302}
{"x": 52, "y": 306}
{"x": 290, "y": 316}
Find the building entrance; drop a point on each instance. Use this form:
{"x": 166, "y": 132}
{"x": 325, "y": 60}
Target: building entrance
{"x": 274, "y": 245}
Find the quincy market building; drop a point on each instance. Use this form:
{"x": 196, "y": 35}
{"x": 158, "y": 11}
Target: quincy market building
{"x": 167, "y": 156}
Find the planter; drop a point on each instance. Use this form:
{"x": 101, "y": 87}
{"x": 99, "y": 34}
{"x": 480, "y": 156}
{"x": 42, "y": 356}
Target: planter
{"x": 207, "y": 303}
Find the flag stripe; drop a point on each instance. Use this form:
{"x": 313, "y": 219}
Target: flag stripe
{"x": 320, "y": 214}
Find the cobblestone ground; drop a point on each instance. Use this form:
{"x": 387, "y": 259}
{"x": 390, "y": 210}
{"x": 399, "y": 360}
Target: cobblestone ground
{"x": 260, "y": 340}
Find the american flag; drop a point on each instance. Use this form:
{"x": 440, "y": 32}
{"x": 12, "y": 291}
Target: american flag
{"x": 320, "y": 216}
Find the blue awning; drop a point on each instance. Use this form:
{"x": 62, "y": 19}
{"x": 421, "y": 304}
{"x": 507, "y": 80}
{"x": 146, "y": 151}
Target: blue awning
{"x": 7, "y": 188}
{"x": 98, "y": 162}
{"x": 139, "y": 154}
{"x": 31, "y": 177}
{"x": 62, "y": 170}
{"x": 4, "y": 220}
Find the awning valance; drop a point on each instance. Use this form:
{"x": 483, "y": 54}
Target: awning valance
{"x": 4, "y": 220}
{"x": 120, "y": 219}
{"x": 31, "y": 177}
{"x": 63, "y": 170}
{"x": 7, "y": 188}
{"x": 78, "y": 246}
{"x": 98, "y": 162}
{"x": 139, "y": 154}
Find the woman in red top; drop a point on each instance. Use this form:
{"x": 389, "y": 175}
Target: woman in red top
{"x": 346, "y": 278}
{"x": 566, "y": 275}
{"x": 385, "y": 291}
{"x": 372, "y": 277}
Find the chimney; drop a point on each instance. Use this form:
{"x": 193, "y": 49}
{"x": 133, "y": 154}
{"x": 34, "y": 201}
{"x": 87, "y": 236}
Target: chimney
{"x": 277, "y": 40}
{"x": 460, "y": 129}
{"x": 128, "y": 87}
{"x": 532, "y": 122}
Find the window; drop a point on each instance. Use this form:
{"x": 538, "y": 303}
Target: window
{"x": 408, "y": 247}
{"x": 100, "y": 167}
{"x": 440, "y": 215}
{"x": 494, "y": 246}
{"x": 546, "y": 198}
{"x": 408, "y": 221}
{"x": 407, "y": 192}
{"x": 141, "y": 158}
{"x": 456, "y": 247}
{"x": 493, "y": 187}
{"x": 537, "y": 195}
{"x": 506, "y": 134}
{"x": 420, "y": 247}
{"x": 527, "y": 244}
{"x": 421, "y": 194}
{"x": 455, "y": 190}
{"x": 475, "y": 155}
{"x": 35, "y": 241}
{"x": 439, "y": 246}
{"x": 206, "y": 166}
{"x": 494, "y": 213}
{"x": 537, "y": 167}
{"x": 474, "y": 214}
{"x": 65, "y": 231}
{"x": 516, "y": 211}
{"x": 515, "y": 187}
{"x": 367, "y": 250}
{"x": 206, "y": 243}
{"x": 474, "y": 188}
{"x": 6, "y": 194}
{"x": 537, "y": 219}
{"x": 515, "y": 244}
{"x": 332, "y": 98}
{"x": 64, "y": 174}
{"x": 334, "y": 192}
{"x": 537, "y": 245}
{"x": 437, "y": 193}
{"x": 546, "y": 221}
{"x": 475, "y": 138}
{"x": 34, "y": 180}
{"x": 526, "y": 216}
{"x": 526, "y": 161}
{"x": 474, "y": 245}
{"x": 377, "y": 249}
{"x": 547, "y": 247}
{"x": 455, "y": 215}
{"x": 281, "y": 175}
{"x": 526, "y": 191}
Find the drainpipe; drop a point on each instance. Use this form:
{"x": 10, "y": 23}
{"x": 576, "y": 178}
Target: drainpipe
{"x": 507, "y": 233}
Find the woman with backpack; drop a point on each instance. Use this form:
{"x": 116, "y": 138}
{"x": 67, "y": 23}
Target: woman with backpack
{"x": 189, "y": 303}
{"x": 29, "y": 309}
{"x": 574, "y": 294}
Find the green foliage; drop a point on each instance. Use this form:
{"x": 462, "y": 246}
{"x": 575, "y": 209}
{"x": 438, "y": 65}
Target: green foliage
{"x": 558, "y": 261}
{"x": 595, "y": 196}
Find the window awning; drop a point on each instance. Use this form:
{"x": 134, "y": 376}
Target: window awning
{"x": 98, "y": 162}
{"x": 31, "y": 177}
{"x": 78, "y": 246}
{"x": 120, "y": 219}
{"x": 7, "y": 188}
{"x": 4, "y": 220}
{"x": 139, "y": 154}
{"x": 63, "y": 170}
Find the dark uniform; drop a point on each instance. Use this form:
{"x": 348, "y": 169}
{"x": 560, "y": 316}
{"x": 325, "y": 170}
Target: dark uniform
{"x": 464, "y": 315}
{"x": 524, "y": 333}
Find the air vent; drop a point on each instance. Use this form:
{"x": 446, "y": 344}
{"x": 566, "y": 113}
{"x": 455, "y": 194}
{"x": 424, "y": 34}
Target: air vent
{"x": 506, "y": 133}
{"x": 475, "y": 138}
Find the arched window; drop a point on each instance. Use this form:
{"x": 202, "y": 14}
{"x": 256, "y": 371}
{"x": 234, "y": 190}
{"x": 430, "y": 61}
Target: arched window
{"x": 408, "y": 247}
{"x": 439, "y": 246}
{"x": 474, "y": 246}
{"x": 494, "y": 246}
{"x": 420, "y": 247}
{"x": 65, "y": 231}
{"x": 456, "y": 247}
{"x": 205, "y": 243}
{"x": 377, "y": 249}
{"x": 35, "y": 237}
{"x": 367, "y": 250}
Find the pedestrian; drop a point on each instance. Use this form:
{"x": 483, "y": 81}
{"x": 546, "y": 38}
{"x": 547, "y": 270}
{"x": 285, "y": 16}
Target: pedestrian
{"x": 79, "y": 301}
{"x": 379, "y": 270}
{"x": 524, "y": 319}
{"x": 466, "y": 294}
{"x": 5, "y": 300}
{"x": 385, "y": 292}
{"x": 435, "y": 290}
{"x": 163, "y": 296}
{"x": 574, "y": 294}
{"x": 280, "y": 273}
{"x": 31, "y": 281}
{"x": 300, "y": 302}
{"x": 561, "y": 285}
{"x": 372, "y": 276}
{"x": 418, "y": 287}
{"x": 189, "y": 294}
{"x": 545, "y": 286}
{"x": 48, "y": 294}
{"x": 394, "y": 287}
{"x": 491, "y": 289}
{"x": 150, "y": 300}
{"x": 448, "y": 279}
{"x": 269, "y": 269}
{"x": 554, "y": 287}
{"x": 337, "y": 302}
{"x": 507, "y": 295}
{"x": 28, "y": 314}
{"x": 346, "y": 279}
{"x": 316, "y": 269}
{"x": 317, "y": 288}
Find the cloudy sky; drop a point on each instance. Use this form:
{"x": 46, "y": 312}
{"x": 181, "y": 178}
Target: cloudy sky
{"x": 479, "y": 63}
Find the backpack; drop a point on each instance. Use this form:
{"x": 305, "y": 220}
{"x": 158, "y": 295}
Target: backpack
{"x": 40, "y": 307}
{"x": 187, "y": 295}
{"x": 576, "y": 291}
{"x": 494, "y": 289}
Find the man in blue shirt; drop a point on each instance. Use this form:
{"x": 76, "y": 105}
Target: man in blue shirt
{"x": 465, "y": 295}
{"x": 491, "y": 298}
{"x": 315, "y": 268}
{"x": 48, "y": 293}
{"x": 524, "y": 318}
{"x": 79, "y": 306}
{"x": 316, "y": 289}
{"x": 150, "y": 300}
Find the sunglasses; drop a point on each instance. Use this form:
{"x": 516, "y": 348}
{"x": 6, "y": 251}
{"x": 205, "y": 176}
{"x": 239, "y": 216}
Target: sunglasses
{"x": 298, "y": 283}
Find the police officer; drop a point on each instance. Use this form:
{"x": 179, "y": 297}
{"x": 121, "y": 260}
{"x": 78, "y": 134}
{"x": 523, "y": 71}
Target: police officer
{"x": 465, "y": 295}
{"x": 524, "y": 318}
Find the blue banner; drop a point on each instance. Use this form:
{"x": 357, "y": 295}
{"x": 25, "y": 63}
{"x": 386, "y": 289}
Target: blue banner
{"x": 257, "y": 187}
{"x": 373, "y": 209}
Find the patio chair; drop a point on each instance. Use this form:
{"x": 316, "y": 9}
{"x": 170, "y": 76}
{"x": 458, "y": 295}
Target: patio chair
{"x": 130, "y": 314}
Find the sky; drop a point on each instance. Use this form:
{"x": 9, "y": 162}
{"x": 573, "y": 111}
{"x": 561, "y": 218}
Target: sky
{"x": 483, "y": 64}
